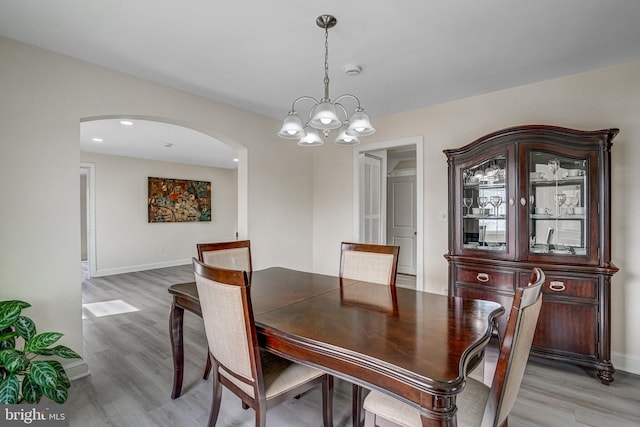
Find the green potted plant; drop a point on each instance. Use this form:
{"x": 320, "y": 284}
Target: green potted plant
{"x": 24, "y": 375}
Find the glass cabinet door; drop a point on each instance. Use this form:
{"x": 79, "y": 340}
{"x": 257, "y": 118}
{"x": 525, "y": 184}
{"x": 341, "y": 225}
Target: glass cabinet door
{"x": 484, "y": 212}
{"x": 558, "y": 204}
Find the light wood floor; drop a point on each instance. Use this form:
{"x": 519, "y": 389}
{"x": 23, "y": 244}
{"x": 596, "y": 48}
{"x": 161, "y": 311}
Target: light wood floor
{"x": 129, "y": 357}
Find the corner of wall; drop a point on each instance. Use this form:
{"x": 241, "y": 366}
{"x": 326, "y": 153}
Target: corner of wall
{"x": 77, "y": 369}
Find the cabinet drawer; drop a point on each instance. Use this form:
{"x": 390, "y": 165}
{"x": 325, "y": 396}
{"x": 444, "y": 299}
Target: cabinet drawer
{"x": 486, "y": 277}
{"x": 571, "y": 287}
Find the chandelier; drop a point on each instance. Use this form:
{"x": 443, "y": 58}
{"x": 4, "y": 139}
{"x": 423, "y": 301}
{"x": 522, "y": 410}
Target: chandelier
{"x": 324, "y": 114}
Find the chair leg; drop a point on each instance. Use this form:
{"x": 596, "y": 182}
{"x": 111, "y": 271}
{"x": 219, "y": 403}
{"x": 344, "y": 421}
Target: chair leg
{"x": 261, "y": 413}
{"x": 215, "y": 403}
{"x": 372, "y": 420}
{"x": 207, "y": 368}
{"x": 369, "y": 419}
{"x": 356, "y": 405}
{"x": 327, "y": 401}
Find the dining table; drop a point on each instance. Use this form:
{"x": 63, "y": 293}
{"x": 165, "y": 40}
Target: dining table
{"x": 416, "y": 346}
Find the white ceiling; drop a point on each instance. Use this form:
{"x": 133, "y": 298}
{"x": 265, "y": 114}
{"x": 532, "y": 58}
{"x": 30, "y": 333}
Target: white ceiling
{"x": 260, "y": 55}
{"x": 156, "y": 141}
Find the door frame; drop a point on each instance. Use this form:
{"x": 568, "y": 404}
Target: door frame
{"x": 90, "y": 170}
{"x": 416, "y": 141}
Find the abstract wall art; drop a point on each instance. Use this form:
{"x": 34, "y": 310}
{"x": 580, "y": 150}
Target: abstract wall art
{"x": 179, "y": 200}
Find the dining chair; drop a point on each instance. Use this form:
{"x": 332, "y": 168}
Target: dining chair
{"x": 260, "y": 379}
{"x": 479, "y": 404}
{"x": 369, "y": 263}
{"x": 233, "y": 255}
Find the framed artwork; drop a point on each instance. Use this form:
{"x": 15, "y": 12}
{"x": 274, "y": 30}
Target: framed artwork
{"x": 179, "y": 200}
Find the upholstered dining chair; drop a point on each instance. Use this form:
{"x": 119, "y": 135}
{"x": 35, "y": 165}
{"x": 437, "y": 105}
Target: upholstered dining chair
{"x": 233, "y": 255}
{"x": 369, "y": 263}
{"x": 260, "y": 379}
{"x": 479, "y": 404}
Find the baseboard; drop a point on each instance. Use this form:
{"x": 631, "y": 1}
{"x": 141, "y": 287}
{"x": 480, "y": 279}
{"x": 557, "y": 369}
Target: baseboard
{"x": 76, "y": 369}
{"x": 142, "y": 267}
{"x": 623, "y": 362}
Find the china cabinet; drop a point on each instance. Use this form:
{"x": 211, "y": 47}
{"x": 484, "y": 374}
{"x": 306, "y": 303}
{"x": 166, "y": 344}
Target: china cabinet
{"x": 538, "y": 196}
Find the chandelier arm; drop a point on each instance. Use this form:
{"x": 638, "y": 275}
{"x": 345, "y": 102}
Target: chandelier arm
{"x": 344, "y": 110}
{"x": 348, "y": 95}
{"x": 293, "y": 105}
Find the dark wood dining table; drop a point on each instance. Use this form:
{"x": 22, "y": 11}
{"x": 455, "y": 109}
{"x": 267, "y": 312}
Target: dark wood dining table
{"x": 413, "y": 345}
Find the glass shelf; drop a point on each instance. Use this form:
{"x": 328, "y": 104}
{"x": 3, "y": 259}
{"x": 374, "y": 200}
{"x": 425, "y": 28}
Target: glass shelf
{"x": 568, "y": 217}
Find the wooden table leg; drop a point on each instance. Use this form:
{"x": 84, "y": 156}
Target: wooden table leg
{"x": 447, "y": 422}
{"x": 442, "y": 412}
{"x": 356, "y": 402}
{"x": 176, "y": 317}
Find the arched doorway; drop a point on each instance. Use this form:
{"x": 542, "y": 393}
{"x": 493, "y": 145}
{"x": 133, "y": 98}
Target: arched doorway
{"x": 161, "y": 140}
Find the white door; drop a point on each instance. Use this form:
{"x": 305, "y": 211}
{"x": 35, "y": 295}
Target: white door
{"x": 401, "y": 220}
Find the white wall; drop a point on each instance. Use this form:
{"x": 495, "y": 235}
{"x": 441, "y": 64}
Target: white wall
{"x": 44, "y": 97}
{"x": 595, "y": 100}
{"x": 121, "y": 214}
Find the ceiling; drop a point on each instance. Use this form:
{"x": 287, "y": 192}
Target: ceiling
{"x": 155, "y": 141}
{"x": 261, "y": 55}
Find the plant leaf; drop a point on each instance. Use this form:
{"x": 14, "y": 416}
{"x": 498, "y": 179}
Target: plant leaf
{"x": 64, "y": 352}
{"x": 10, "y": 311}
{"x": 41, "y": 341}
{"x": 14, "y": 301}
{"x": 58, "y": 394}
{"x": 7, "y": 334}
{"x": 13, "y": 360}
{"x": 62, "y": 374}
{"x": 31, "y": 393}
{"x": 9, "y": 390}
{"x": 8, "y": 343}
{"x": 25, "y": 327}
{"x": 43, "y": 374}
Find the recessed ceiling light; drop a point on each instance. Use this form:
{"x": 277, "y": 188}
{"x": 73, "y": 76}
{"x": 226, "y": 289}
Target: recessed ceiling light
{"x": 97, "y": 139}
{"x": 126, "y": 122}
{"x": 236, "y": 160}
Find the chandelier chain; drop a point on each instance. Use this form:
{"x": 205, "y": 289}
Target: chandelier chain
{"x": 326, "y": 63}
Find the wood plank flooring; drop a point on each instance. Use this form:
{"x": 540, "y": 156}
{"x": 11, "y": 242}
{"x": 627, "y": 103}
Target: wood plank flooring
{"x": 129, "y": 357}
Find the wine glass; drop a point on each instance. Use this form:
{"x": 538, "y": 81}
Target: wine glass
{"x": 495, "y": 201}
{"x": 467, "y": 201}
{"x": 482, "y": 202}
{"x": 570, "y": 202}
{"x": 553, "y": 166}
{"x": 560, "y": 198}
